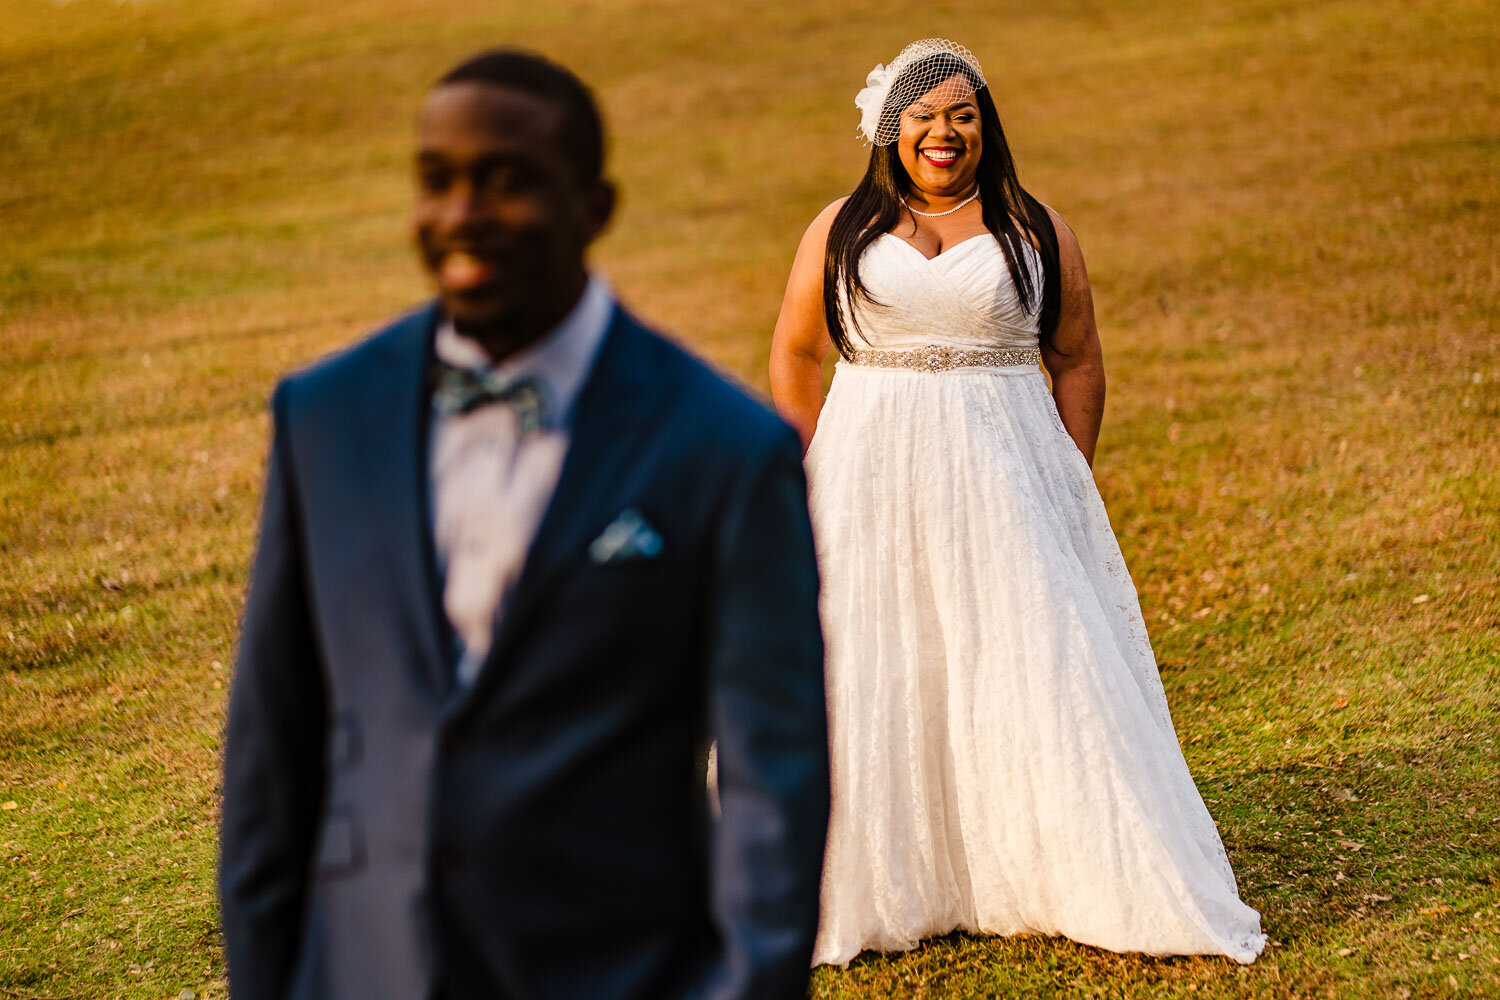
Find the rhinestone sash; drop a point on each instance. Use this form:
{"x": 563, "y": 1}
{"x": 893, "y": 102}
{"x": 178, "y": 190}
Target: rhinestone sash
{"x": 941, "y": 359}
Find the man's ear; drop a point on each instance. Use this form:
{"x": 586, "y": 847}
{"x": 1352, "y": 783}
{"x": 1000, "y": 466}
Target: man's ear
{"x": 599, "y": 207}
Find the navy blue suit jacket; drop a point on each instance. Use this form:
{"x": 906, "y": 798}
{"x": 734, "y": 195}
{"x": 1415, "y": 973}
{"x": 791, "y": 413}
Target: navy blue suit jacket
{"x": 544, "y": 833}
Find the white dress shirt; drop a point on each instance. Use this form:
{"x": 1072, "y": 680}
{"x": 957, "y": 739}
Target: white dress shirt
{"x": 490, "y": 485}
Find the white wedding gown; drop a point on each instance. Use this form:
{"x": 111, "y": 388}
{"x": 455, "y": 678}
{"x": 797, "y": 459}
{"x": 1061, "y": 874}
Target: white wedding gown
{"x": 1003, "y": 758}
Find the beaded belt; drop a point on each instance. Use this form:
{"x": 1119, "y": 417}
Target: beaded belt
{"x": 941, "y": 359}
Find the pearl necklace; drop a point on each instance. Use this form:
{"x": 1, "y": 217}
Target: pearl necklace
{"x": 939, "y": 215}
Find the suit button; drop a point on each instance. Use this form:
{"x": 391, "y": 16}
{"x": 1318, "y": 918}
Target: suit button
{"x": 445, "y": 860}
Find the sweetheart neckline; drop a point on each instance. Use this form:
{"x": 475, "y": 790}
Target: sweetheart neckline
{"x": 1034, "y": 251}
{"x": 944, "y": 253}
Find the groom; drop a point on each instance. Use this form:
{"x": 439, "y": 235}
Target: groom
{"x": 520, "y": 558}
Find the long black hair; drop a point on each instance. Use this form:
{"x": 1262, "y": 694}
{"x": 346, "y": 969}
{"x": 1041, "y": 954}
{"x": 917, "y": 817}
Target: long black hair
{"x": 1009, "y": 211}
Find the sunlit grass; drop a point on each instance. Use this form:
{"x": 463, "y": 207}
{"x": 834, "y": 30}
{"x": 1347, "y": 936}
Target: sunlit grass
{"x": 1290, "y": 216}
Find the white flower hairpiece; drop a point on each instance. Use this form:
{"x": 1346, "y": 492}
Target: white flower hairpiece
{"x": 872, "y": 99}
{"x": 921, "y": 69}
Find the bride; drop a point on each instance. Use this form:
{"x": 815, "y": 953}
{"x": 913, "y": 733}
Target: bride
{"x": 1003, "y": 757}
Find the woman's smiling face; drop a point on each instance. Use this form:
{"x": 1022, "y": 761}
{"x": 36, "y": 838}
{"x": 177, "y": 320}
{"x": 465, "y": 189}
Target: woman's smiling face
{"x": 941, "y": 140}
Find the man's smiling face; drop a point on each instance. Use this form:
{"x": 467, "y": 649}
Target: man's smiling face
{"x": 502, "y": 217}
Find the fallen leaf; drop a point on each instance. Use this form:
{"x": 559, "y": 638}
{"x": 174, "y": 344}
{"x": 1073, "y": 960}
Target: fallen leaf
{"x": 8, "y": 806}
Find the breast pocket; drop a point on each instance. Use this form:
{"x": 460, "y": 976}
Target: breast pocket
{"x": 630, "y": 582}
{"x": 643, "y": 609}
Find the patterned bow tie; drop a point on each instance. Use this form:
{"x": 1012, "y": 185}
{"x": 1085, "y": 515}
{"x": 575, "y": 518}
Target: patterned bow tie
{"x": 456, "y": 391}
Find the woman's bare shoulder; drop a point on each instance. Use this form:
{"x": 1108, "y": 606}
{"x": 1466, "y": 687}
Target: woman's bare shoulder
{"x": 824, "y": 220}
{"x": 815, "y": 240}
{"x": 1067, "y": 241}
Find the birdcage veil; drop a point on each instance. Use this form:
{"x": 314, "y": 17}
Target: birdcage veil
{"x": 934, "y": 69}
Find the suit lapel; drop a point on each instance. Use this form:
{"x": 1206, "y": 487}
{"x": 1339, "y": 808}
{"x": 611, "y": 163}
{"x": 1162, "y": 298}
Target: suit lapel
{"x": 620, "y": 405}
{"x": 394, "y": 432}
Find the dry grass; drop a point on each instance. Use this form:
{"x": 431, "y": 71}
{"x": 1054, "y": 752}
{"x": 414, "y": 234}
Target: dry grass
{"x": 1290, "y": 213}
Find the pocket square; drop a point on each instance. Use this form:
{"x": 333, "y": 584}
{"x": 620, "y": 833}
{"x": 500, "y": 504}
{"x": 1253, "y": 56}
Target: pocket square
{"x": 629, "y": 536}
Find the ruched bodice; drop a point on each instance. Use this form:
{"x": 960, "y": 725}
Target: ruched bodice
{"x": 963, "y": 297}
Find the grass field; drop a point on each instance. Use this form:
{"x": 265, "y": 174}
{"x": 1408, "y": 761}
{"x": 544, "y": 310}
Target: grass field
{"x": 1290, "y": 212}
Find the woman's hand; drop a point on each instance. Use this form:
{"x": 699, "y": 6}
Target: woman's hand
{"x": 1076, "y": 361}
{"x": 801, "y": 339}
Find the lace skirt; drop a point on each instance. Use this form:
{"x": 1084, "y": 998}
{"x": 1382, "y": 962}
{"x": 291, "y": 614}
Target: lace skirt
{"x": 1003, "y": 757}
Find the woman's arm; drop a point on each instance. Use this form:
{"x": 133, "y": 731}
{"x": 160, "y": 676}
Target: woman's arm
{"x": 801, "y": 339}
{"x": 1077, "y": 362}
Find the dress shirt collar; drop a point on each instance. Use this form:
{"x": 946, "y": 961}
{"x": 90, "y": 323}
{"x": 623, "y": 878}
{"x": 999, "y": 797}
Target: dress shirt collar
{"x": 561, "y": 360}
